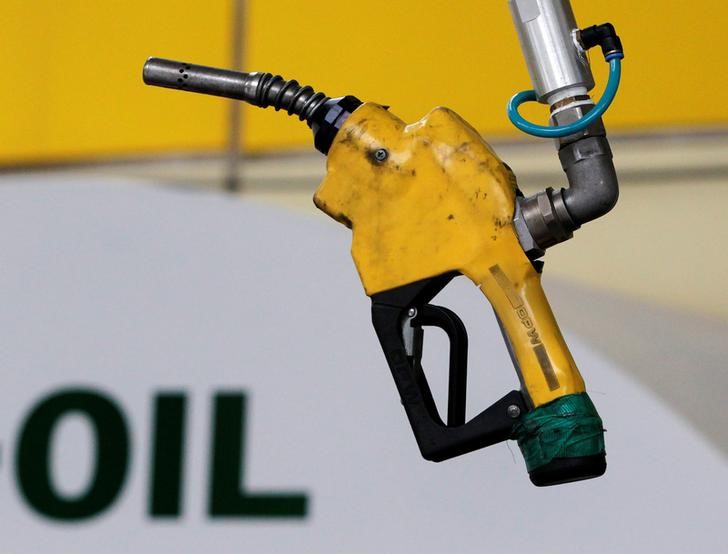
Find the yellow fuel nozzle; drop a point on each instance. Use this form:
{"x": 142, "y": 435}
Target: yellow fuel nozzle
{"x": 430, "y": 200}
{"x": 426, "y": 202}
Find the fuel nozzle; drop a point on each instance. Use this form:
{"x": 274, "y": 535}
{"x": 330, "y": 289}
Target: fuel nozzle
{"x": 323, "y": 114}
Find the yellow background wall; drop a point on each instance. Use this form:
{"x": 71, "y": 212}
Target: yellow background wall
{"x": 71, "y": 73}
{"x": 72, "y": 86}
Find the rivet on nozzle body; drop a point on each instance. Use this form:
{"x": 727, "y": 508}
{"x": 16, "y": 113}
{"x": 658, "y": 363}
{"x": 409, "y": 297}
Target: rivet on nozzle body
{"x": 381, "y": 155}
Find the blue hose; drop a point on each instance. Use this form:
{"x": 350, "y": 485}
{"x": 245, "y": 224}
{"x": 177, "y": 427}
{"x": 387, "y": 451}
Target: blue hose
{"x": 615, "y": 72}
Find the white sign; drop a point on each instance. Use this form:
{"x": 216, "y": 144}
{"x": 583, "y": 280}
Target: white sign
{"x": 188, "y": 372}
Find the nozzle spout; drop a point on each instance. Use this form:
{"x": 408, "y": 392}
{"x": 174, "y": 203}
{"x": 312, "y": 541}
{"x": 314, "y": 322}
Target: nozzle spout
{"x": 323, "y": 114}
{"x": 202, "y": 79}
{"x": 259, "y": 89}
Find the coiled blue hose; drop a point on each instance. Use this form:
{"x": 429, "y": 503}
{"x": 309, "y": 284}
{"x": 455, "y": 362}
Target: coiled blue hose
{"x": 615, "y": 73}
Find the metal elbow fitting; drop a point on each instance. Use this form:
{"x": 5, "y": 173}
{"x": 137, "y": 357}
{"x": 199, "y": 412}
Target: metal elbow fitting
{"x": 551, "y": 216}
{"x": 593, "y": 187}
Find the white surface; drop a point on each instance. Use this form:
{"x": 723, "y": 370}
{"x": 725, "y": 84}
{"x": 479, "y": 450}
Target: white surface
{"x": 136, "y": 290}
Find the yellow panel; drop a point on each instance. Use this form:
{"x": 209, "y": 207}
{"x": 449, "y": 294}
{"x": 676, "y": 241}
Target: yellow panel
{"x": 72, "y": 87}
{"x": 414, "y": 55}
{"x": 72, "y": 77}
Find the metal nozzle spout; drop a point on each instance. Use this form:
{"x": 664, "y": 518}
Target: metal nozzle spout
{"x": 259, "y": 89}
{"x": 323, "y": 114}
{"x": 203, "y": 79}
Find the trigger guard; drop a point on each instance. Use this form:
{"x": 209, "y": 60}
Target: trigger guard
{"x": 437, "y": 441}
{"x": 443, "y": 318}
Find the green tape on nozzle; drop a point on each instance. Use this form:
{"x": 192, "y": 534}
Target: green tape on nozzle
{"x": 562, "y": 441}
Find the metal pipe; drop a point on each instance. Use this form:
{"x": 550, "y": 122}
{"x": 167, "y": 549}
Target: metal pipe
{"x": 556, "y": 62}
{"x": 233, "y": 178}
{"x": 561, "y": 77}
